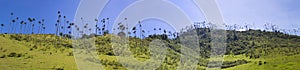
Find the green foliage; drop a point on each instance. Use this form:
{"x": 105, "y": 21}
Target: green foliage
{"x": 228, "y": 64}
{"x": 256, "y": 48}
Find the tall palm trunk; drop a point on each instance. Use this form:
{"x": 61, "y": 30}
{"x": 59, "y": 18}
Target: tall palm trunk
{"x": 21, "y": 26}
{"x": 2, "y": 25}
{"x": 32, "y": 29}
{"x": 11, "y": 18}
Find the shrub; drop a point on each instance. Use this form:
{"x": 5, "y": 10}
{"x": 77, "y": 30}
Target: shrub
{"x": 3, "y": 56}
{"x": 259, "y": 63}
{"x": 109, "y": 53}
{"x": 60, "y": 68}
{"x": 13, "y": 54}
{"x": 228, "y": 64}
{"x": 57, "y": 68}
{"x": 70, "y": 54}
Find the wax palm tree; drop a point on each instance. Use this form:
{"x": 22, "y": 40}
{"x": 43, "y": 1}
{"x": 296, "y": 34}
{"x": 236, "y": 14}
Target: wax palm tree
{"x": 59, "y": 23}
{"x": 15, "y": 23}
{"x": 21, "y": 27}
{"x": 165, "y": 31}
{"x": 30, "y": 20}
{"x": 103, "y": 26}
{"x": 64, "y": 26}
{"x": 159, "y": 30}
{"x": 154, "y": 31}
{"x": 61, "y": 30}
{"x": 140, "y": 26}
{"x": 134, "y": 31}
{"x": 69, "y": 28}
{"x": 11, "y": 18}
{"x": 2, "y": 26}
{"x": 96, "y": 26}
{"x": 12, "y": 25}
{"x": 143, "y": 33}
{"x": 298, "y": 30}
{"x": 25, "y": 27}
{"x": 39, "y": 27}
{"x": 295, "y": 31}
{"x": 43, "y": 26}
{"x": 85, "y": 27}
{"x": 165, "y": 34}
{"x": 175, "y": 34}
{"x": 11, "y": 13}
{"x": 78, "y": 30}
{"x": 33, "y": 19}
{"x": 170, "y": 33}
{"x": 106, "y": 31}
{"x": 56, "y": 26}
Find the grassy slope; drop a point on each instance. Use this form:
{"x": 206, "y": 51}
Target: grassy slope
{"x": 37, "y": 59}
{"x": 34, "y": 59}
{"x": 272, "y": 63}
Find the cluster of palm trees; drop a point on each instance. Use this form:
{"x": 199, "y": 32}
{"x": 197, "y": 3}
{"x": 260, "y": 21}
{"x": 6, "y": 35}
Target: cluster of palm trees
{"x": 267, "y": 27}
{"x": 102, "y": 29}
{"x": 82, "y": 31}
{"x": 140, "y": 29}
{"x": 139, "y": 32}
{"x": 63, "y": 26}
{"x": 18, "y": 26}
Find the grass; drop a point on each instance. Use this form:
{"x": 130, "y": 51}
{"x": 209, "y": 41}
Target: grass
{"x": 269, "y": 63}
{"x": 48, "y": 52}
{"x": 33, "y": 59}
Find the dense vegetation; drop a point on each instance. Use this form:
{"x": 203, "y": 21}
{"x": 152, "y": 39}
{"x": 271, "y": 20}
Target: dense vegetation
{"x": 253, "y": 48}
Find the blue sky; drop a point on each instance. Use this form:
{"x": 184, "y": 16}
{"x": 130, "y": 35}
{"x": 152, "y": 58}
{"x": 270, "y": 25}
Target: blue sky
{"x": 284, "y": 13}
{"x": 39, "y": 9}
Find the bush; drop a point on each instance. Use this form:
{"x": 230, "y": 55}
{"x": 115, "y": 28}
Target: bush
{"x": 110, "y": 53}
{"x": 70, "y": 54}
{"x": 3, "y": 56}
{"x": 227, "y": 64}
{"x": 13, "y": 54}
{"x": 57, "y": 68}
{"x": 265, "y": 62}
{"x": 259, "y": 63}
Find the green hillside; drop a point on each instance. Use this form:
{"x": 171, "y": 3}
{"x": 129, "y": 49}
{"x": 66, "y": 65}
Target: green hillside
{"x": 246, "y": 50}
{"x": 23, "y": 54}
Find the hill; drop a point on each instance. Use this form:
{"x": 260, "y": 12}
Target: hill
{"x": 252, "y": 49}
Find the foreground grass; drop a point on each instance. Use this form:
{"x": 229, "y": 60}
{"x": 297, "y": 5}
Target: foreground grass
{"x": 23, "y": 54}
{"x": 16, "y": 55}
{"x": 270, "y": 63}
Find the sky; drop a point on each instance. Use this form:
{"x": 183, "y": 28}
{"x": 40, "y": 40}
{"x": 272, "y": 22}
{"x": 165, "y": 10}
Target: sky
{"x": 39, "y": 9}
{"x": 284, "y": 13}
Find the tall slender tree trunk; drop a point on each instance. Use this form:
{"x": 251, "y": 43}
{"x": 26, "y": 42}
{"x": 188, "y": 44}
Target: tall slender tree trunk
{"x": 21, "y": 26}
{"x": 15, "y": 27}
{"x": 32, "y": 28}
{"x": 1, "y": 29}
{"x": 39, "y": 29}
{"x": 27, "y": 28}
